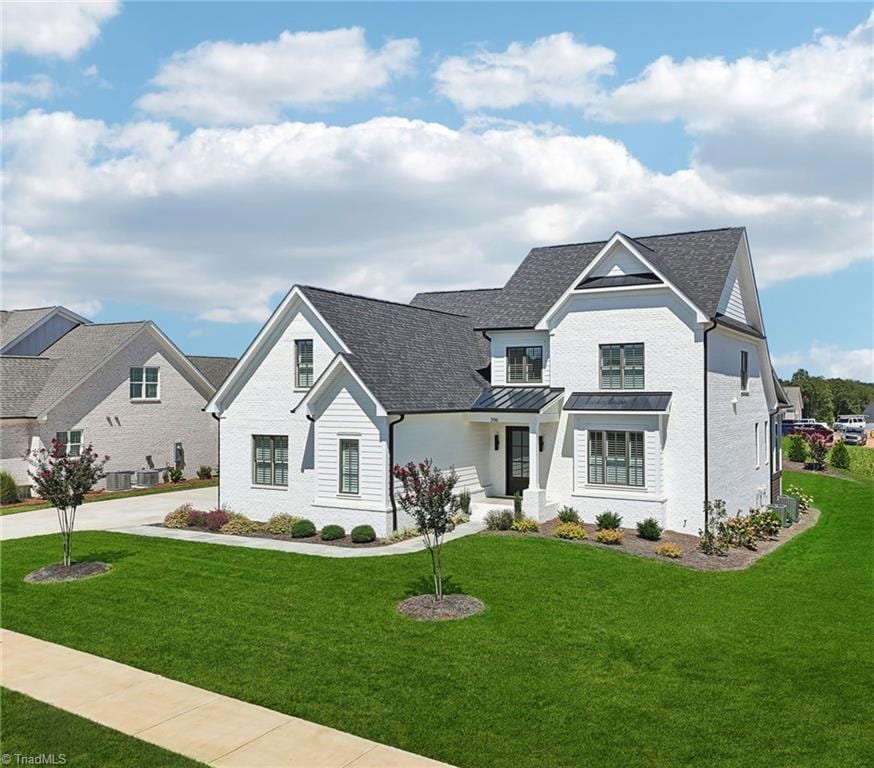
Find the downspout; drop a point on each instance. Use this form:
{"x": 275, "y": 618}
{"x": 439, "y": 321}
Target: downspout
{"x": 706, "y": 437}
{"x": 391, "y": 474}
{"x": 218, "y": 456}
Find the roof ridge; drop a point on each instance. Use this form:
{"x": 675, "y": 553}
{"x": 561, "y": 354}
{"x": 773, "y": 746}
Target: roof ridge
{"x": 382, "y": 301}
{"x": 636, "y": 238}
{"x": 215, "y": 357}
{"x": 33, "y": 309}
{"x": 458, "y": 290}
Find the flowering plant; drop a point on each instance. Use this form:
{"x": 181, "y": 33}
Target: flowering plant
{"x": 63, "y": 481}
{"x": 427, "y": 497}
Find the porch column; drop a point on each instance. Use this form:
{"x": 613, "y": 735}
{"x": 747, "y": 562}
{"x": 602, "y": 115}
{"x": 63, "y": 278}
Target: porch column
{"x": 534, "y": 497}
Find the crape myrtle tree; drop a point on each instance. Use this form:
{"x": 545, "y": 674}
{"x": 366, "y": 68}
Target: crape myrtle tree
{"x": 63, "y": 481}
{"x": 427, "y": 497}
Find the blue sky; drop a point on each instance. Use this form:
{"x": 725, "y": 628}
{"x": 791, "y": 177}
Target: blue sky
{"x": 144, "y": 192}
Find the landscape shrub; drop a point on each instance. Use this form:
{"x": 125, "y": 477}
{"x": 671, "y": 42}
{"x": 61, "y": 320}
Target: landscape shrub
{"x": 741, "y": 532}
{"x": 178, "y": 518}
{"x": 173, "y": 475}
{"x": 499, "y": 520}
{"x": 204, "y": 472}
{"x": 608, "y": 520}
{"x": 765, "y": 523}
{"x": 805, "y": 500}
{"x": 196, "y": 518}
{"x": 669, "y": 549}
{"x": 568, "y": 515}
{"x": 215, "y": 519}
{"x": 649, "y": 529}
{"x": 240, "y": 525}
{"x": 303, "y": 529}
{"x": 525, "y": 525}
{"x": 363, "y": 534}
{"x": 713, "y": 540}
{"x": 460, "y": 518}
{"x": 818, "y": 452}
{"x": 464, "y": 503}
{"x": 517, "y": 505}
{"x": 570, "y": 531}
{"x": 8, "y": 489}
{"x": 797, "y": 448}
{"x": 402, "y": 535}
{"x": 332, "y": 532}
{"x": 609, "y": 536}
{"x": 840, "y": 456}
{"x": 280, "y": 524}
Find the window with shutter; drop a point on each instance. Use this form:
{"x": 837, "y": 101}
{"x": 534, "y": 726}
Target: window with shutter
{"x": 596, "y": 457}
{"x": 622, "y": 366}
{"x": 616, "y": 458}
{"x": 270, "y": 459}
{"x": 349, "y": 466}
{"x": 303, "y": 363}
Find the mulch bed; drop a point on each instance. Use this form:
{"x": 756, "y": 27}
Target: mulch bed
{"x": 735, "y": 560}
{"x": 426, "y": 607}
{"x": 59, "y": 572}
{"x": 346, "y": 541}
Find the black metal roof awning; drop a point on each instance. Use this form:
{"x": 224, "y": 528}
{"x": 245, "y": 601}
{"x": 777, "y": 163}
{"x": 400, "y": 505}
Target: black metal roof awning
{"x": 519, "y": 399}
{"x": 619, "y": 281}
{"x": 635, "y": 402}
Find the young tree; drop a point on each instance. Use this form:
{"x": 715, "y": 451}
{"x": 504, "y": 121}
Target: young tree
{"x": 818, "y": 451}
{"x": 64, "y": 480}
{"x": 427, "y": 498}
{"x": 840, "y": 455}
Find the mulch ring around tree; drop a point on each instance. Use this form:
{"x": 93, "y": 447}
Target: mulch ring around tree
{"x": 426, "y": 607}
{"x": 56, "y": 572}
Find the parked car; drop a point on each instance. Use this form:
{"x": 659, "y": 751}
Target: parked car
{"x": 855, "y": 436}
{"x": 818, "y": 429}
{"x": 847, "y": 422}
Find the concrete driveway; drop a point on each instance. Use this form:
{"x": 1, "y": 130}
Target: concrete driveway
{"x": 103, "y": 515}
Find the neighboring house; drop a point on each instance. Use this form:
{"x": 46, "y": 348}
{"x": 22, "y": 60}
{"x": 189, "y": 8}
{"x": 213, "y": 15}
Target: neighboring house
{"x": 125, "y": 388}
{"x": 794, "y": 411}
{"x": 629, "y": 374}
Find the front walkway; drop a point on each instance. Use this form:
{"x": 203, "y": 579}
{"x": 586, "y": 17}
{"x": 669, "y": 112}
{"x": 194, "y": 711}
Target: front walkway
{"x": 103, "y": 515}
{"x": 199, "y": 724}
{"x": 281, "y": 545}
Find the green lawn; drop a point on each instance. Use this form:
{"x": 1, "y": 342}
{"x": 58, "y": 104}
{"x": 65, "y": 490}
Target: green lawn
{"x": 584, "y": 656}
{"x": 31, "y": 728}
{"x": 11, "y": 509}
{"x": 861, "y": 461}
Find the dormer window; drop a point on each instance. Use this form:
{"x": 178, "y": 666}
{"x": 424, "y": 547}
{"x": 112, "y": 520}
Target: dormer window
{"x": 143, "y": 383}
{"x": 622, "y": 366}
{"x": 303, "y": 363}
{"x": 524, "y": 365}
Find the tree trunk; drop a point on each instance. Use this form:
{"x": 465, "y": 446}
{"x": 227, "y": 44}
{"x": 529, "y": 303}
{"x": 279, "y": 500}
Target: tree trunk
{"x": 66, "y": 521}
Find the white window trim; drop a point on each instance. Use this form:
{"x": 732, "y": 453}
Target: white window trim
{"x": 272, "y": 485}
{"x": 523, "y": 382}
{"x": 340, "y": 492}
{"x": 142, "y": 383}
{"x": 758, "y": 446}
{"x": 298, "y": 387}
{"x": 68, "y": 443}
{"x": 622, "y": 346}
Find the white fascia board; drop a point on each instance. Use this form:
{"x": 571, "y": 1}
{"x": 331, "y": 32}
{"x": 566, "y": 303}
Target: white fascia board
{"x": 327, "y": 376}
{"x": 179, "y": 355}
{"x": 617, "y": 239}
{"x": 745, "y": 255}
{"x": 242, "y": 367}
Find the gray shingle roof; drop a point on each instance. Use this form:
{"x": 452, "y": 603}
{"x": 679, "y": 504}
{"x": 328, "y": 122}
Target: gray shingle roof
{"x": 618, "y": 401}
{"x": 22, "y": 379}
{"x": 696, "y": 262}
{"x": 215, "y": 369}
{"x": 15, "y": 322}
{"x": 478, "y": 304}
{"x": 412, "y": 359}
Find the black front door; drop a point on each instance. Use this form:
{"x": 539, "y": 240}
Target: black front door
{"x": 517, "y": 459}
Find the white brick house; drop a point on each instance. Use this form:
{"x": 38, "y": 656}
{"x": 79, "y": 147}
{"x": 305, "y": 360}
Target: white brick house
{"x": 124, "y": 388}
{"x": 629, "y": 374}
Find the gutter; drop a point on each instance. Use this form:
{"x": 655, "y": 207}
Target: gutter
{"x": 391, "y": 474}
{"x": 713, "y": 325}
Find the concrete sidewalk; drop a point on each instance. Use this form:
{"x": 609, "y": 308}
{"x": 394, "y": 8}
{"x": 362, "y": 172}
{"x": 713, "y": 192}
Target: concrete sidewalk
{"x": 103, "y": 515}
{"x": 199, "y": 724}
{"x": 415, "y": 544}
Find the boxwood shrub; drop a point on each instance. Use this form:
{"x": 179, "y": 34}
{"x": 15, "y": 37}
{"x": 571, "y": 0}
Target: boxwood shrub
{"x": 608, "y": 520}
{"x": 303, "y": 529}
{"x": 333, "y": 532}
{"x": 649, "y": 529}
{"x": 363, "y": 534}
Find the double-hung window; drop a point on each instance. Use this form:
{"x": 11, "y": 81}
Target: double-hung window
{"x": 349, "y": 466}
{"x": 270, "y": 459}
{"x": 72, "y": 441}
{"x": 143, "y": 383}
{"x": 616, "y": 458}
{"x": 744, "y": 371}
{"x": 303, "y": 363}
{"x": 524, "y": 365}
{"x": 622, "y": 366}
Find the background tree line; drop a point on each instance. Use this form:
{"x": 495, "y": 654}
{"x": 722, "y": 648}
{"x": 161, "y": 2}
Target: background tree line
{"x": 824, "y": 399}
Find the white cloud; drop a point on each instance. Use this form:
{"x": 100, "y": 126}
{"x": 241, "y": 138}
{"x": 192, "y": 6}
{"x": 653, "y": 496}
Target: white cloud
{"x": 60, "y": 29}
{"x": 554, "y": 70}
{"x": 36, "y": 88}
{"x": 217, "y": 223}
{"x": 243, "y": 83}
{"x": 829, "y": 361}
